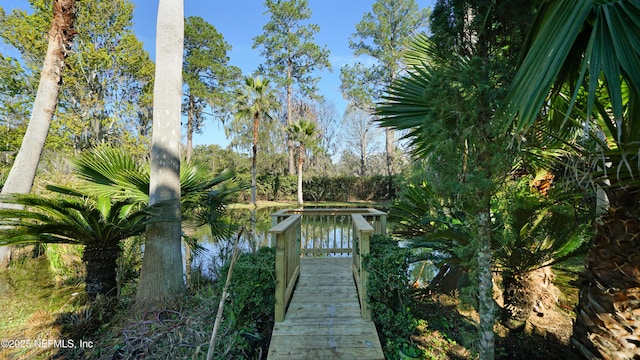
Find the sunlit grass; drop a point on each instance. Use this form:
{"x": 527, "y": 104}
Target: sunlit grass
{"x": 29, "y": 286}
{"x": 566, "y": 275}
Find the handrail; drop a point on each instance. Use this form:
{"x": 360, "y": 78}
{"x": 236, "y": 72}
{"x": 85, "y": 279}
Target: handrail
{"x": 287, "y": 241}
{"x": 330, "y": 230}
{"x": 362, "y": 230}
{"x": 322, "y": 231}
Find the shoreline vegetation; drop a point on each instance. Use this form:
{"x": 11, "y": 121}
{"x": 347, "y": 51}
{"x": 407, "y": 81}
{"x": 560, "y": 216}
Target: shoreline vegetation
{"x": 56, "y": 309}
{"x": 293, "y": 204}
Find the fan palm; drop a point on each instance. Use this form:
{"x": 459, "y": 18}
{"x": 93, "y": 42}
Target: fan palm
{"x": 75, "y": 217}
{"x": 592, "y": 48}
{"x": 113, "y": 172}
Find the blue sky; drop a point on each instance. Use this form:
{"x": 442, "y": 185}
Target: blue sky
{"x": 240, "y": 21}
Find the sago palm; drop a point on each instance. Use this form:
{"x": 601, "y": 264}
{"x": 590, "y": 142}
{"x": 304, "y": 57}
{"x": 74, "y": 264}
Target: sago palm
{"x": 69, "y": 216}
{"x": 436, "y": 233}
{"x": 592, "y": 48}
{"x": 535, "y": 231}
{"x": 111, "y": 206}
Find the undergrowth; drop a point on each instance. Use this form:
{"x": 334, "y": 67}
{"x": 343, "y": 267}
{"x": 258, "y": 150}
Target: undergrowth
{"x": 389, "y": 293}
{"x": 110, "y": 329}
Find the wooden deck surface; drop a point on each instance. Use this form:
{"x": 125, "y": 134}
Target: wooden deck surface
{"x": 323, "y": 320}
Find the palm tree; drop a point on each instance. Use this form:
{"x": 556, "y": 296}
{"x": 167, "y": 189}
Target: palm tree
{"x": 69, "y": 216}
{"x": 532, "y": 232}
{"x": 449, "y": 121}
{"x": 23, "y": 171}
{"x": 591, "y": 47}
{"x": 305, "y": 134}
{"x": 110, "y": 207}
{"x": 161, "y": 275}
{"x": 114, "y": 173}
{"x": 535, "y": 231}
{"x": 256, "y": 99}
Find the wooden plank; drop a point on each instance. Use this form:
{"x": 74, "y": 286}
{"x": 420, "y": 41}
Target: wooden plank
{"x": 323, "y": 341}
{"x": 292, "y": 283}
{"x": 335, "y": 326}
{"x": 315, "y": 354}
{"x": 361, "y": 224}
{"x": 284, "y": 225}
{"x": 326, "y": 250}
{"x": 324, "y": 320}
{"x": 321, "y": 311}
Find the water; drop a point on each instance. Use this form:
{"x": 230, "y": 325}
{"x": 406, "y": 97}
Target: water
{"x": 317, "y": 232}
{"x": 217, "y": 251}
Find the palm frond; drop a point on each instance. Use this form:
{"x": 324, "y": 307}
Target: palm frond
{"x": 410, "y": 103}
{"x": 585, "y": 54}
{"x": 73, "y": 218}
{"x": 536, "y": 231}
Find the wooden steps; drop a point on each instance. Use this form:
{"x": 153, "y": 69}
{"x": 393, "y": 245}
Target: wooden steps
{"x": 323, "y": 320}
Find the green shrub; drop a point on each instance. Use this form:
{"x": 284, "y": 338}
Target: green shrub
{"x": 389, "y": 291}
{"x": 252, "y": 300}
{"x": 320, "y": 188}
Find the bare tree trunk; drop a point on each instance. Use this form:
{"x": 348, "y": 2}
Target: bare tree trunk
{"x": 23, "y": 171}
{"x": 190, "y": 122}
{"x": 161, "y": 277}
{"x": 486, "y": 304}
{"x": 390, "y": 146}
{"x": 363, "y": 157}
{"x": 300, "y": 162}
{"x": 390, "y": 149}
{"x": 256, "y": 118}
{"x": 290, "y": 147}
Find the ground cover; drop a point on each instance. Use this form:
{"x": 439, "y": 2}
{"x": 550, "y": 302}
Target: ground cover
{"x": 34, "y": 306}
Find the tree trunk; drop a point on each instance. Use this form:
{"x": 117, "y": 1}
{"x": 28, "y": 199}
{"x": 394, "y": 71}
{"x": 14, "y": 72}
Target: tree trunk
{"x": 23, "y": 172}
{"x": 363, "y": 157}
{"x": 449, "y": 279}
{"x": 256, "y": 118}
{"x": 100, "y": 262}
{"x": 390, "y": 149}
{"x": 254, "y": 183}
{"x": 190, "y": 122}
{"x": 161, "y": 277}
{"x": 486, "y": 304}
{"x": 519, "y": 298}
{"x": 390, "y": 146}
{"x": 290, "y": 147}
{"x": 300, "y": 161}
{"x": 607, "y": 317}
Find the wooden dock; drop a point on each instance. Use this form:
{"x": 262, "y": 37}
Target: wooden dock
{"x": 323, "y": 320}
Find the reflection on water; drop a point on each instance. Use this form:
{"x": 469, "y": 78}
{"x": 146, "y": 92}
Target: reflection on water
{"x": 217, "y": 251}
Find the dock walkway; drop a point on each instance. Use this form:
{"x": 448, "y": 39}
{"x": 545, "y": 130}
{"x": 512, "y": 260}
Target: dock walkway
{"x": 323, "y": 320}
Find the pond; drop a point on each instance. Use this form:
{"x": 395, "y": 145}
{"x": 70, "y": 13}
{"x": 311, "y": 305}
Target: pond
{"x": 318, "y": 233}
{"x": 325, "y": 231}
{"x": 216, "y": 251}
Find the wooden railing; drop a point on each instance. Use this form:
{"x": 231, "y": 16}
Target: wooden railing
{"x": 330, "y": 230}
{"x": 287, "y": 243}
{"x": 362, "y": 231}
{"x": 322, "y": 232}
